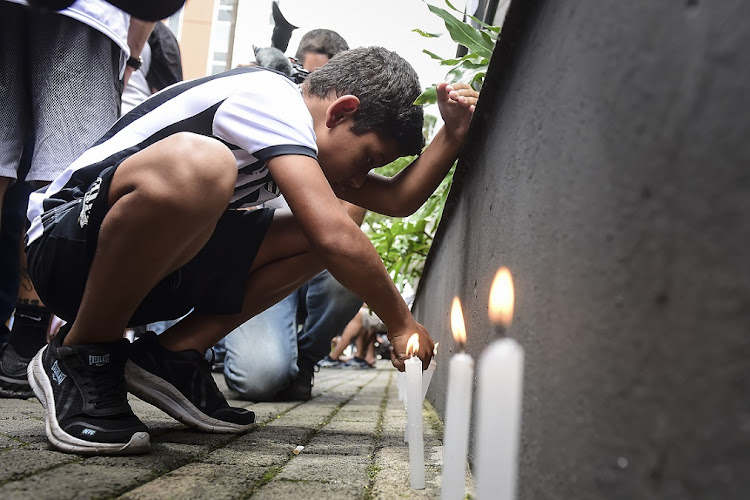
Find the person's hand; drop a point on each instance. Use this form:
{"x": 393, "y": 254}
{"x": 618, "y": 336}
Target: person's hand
{"x": 399, "y": 340}
{"x": 456, "y": 102}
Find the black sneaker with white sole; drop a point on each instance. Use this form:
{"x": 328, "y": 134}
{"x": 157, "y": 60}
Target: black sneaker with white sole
{"x": 13, "y": 381}
{"x": 82, "y": 389}
{"x": 181, "y": 385}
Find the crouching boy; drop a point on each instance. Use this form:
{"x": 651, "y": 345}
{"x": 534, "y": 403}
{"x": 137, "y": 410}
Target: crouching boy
{"x": 146, "y": 226}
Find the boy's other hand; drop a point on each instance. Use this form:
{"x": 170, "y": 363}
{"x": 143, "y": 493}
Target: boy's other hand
{"x": 399, "y": 340}
{"x": 456, "y": 102}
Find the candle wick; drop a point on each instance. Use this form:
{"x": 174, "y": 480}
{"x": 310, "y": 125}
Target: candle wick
{"x": 500, "y": 330}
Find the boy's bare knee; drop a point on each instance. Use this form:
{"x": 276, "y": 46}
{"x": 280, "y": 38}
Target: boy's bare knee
{"x": 205, "y": 164}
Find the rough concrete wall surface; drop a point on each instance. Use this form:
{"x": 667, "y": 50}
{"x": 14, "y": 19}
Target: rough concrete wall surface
{"x": 609, "y": 168}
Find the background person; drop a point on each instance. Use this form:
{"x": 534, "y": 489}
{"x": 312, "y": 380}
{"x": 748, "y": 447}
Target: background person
{"x": 62, "y": 75}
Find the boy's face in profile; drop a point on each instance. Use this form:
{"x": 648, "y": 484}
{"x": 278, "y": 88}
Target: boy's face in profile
{"x": 346, "y": 158}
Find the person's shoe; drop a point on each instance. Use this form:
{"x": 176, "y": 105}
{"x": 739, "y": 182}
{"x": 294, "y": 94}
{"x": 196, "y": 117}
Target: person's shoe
{"x": 82, "y": 389}
{"x": 181, "y": 385}
{"x": 329, "y": 362}
{"x": 357, "y": 364}
{"x": 300, "y": 387}
{"x": 13, "y": 380}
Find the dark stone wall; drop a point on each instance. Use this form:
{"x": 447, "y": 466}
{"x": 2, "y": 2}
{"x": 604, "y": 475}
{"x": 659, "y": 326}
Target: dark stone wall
{"x": 609, "y": 168}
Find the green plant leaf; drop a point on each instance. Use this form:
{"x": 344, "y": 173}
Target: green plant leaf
{"x": 488, "y": 38}
{"x": 452, "y": 7}
{"x": 463, "y": 33}
{"x": 429, "y": 96}
{"x": 435, "y": 56}
{"x": 425, "y": 34}
{"x": 467, "y": 72}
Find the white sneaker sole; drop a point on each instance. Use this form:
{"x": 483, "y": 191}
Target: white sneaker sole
{"x": 140, "y": 442}
{"x": 160, "y": 393}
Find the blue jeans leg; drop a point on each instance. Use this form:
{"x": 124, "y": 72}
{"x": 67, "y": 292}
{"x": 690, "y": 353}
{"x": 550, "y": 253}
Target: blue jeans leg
{"x": 261, "y": 354}
{"x": 330, "y": 306}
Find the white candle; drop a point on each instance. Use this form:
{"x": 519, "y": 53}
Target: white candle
{"x": 427, "y": 374}
{"x": 499, "y": 395}
{"x": 414, "y": 419}
{"x": 402, "y": 387}
{"x": 457, "y": 417}
{"x": 457, "y": 412}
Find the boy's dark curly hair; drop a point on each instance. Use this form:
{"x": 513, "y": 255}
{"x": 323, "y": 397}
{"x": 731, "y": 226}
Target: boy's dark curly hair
{"x": 386, "y": 86}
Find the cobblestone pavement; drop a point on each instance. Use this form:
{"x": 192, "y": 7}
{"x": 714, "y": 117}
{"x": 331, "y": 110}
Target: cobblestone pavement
{"x": 352, "y": 433}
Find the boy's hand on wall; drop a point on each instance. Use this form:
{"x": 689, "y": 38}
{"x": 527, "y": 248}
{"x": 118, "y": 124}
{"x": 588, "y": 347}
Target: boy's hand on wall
{"x": 456, "y": 102}
{"x": 399, "y": 340}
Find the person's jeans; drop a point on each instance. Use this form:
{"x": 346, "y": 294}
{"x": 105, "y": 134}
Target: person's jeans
{"x": 261, "y": 356}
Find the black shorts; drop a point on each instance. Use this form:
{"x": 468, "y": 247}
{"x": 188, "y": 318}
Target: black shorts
{"x": 213, "y": 282}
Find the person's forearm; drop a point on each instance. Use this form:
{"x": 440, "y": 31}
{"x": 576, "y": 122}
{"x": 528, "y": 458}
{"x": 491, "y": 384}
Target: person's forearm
{"x": 138, "y": 33}
{"x": 415, "y": 183}
{"x": 358, "y": 267}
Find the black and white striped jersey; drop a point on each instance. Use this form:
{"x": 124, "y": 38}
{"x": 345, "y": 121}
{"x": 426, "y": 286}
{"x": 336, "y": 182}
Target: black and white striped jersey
{"x": 258, "y": 114}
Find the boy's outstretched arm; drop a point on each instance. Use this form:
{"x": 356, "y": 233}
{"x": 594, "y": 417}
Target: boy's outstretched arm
{"x": 402, "y": 194}
{"x": 345, "y": 251}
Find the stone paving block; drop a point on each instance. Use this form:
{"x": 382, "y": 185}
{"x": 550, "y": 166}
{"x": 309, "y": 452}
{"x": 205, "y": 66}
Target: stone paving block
{"x": 20, "y": 462}
{"x": 307, "y": 416}
{"x": 163, "y": 458}
{"x": 331, "y": 468}
{"x": 393, "y": 480}
{"x": 188, "y": 436}
{"x": 352, "y": 426}
{"x": 300, "y": 490}
{"x": 328, "y": 442}
{"x": 358, "y": 414}
{"x": 22, "y": 418}
{"x": 276, "y": 435}
{"x": 199, "y": 480}
{"x": 7, "y": 443}
{"x": 251, "y": 453}
{"x": 267, "y": 411}
{"x": 75, "y": 481}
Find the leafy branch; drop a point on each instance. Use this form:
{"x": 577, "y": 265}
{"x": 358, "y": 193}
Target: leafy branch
{"x": 479, "y": 42}
{"x": 403, "y": 244}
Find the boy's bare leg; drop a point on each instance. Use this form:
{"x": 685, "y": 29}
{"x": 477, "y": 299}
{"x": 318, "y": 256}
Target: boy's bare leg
{"x": 164, "y": 207}
{"x": 352, "y": 330}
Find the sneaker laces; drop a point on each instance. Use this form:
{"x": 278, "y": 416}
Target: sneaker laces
{"x": 104, "y": 388}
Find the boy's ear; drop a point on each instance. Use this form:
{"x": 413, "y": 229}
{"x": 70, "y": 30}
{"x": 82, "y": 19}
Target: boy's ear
{"x": 341, "y": 109}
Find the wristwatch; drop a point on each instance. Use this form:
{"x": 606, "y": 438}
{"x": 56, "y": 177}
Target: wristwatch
{"x": 134, "y": 62}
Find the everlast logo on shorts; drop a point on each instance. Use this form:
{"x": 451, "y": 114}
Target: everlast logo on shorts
{"x": 88, "y": 202}
{"x": 98, "y": 360}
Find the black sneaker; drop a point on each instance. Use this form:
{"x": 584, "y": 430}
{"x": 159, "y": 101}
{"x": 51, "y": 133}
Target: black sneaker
{"x": 13, "y": 381}
{"x": 82, "y": 389}
{"x": 300, "y": 387}
{"x": 181, "y": 385}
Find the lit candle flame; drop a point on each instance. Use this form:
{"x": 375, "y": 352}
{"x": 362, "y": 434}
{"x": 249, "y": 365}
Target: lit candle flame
{"x": 413, "y": 345}
{"x": 457, "y": 324}
{"x": 501, "y": 298}
{"x": 434, "y": 349}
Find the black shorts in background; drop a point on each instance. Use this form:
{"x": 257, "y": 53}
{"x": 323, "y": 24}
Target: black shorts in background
{"x": 213, "y": 282}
